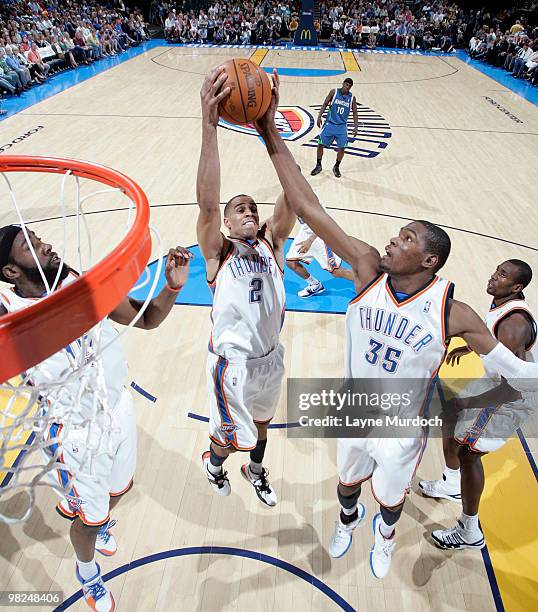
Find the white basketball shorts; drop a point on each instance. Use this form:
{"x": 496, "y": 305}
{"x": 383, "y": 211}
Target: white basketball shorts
{"x": 242, "y": 393}
{"x": 319, "y": 251}
{"x": 391, "y": 463}
{"x": 486, "y": 429}
{"x": 89, "y": 479}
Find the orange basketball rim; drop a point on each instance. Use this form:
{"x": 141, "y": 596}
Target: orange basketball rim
{"x": 32, "y": 334}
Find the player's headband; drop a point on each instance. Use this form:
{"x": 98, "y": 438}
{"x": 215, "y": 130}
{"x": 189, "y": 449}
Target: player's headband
{"x": 8, "y": 233}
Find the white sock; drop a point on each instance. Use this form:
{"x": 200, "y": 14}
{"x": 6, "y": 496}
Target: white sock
{"x": 255, "y": 468}
{"x": 87, "y": 570}
{"x": 349, "y": 511}
{"x": 214, "y": 469}
{"x": 387, "y": 531}
{"x": 311, "y": 280}
{"x": 452, "y": 478}
{"x": 470, "y": 523}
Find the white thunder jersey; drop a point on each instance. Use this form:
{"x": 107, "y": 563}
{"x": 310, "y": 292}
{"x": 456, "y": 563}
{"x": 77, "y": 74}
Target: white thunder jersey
{"x": 63, "y": 399}
{"x": 497, "y": 314}
{"x": 249, "y": 301}
{"x": 389, "y": 338}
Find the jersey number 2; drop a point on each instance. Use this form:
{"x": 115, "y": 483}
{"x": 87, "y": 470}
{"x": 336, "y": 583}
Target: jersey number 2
{"x": 255, "y": 294}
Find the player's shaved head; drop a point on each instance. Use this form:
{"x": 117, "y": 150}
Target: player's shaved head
{"x": 523, "y": 274}
{"x": 234, "y": 200}
{"x": 437, "y": 242}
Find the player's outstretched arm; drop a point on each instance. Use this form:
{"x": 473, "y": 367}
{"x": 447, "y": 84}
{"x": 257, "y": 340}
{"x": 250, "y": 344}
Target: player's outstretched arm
{"x": 208, "y": 231}
{"x": 280, "y": 225}
{"x": 464, "y": 322}
{"x": 363, "y": 258}
{"x": 176, "y": 271}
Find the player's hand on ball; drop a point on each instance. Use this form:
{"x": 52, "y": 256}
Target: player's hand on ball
{"x": 176, "y": 268}
{"x": 212, "y": 92}
{"x": 263, "y": 124}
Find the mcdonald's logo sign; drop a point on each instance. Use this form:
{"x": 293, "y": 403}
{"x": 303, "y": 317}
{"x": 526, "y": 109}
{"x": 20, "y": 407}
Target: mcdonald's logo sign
{"x": 306, "y": 34}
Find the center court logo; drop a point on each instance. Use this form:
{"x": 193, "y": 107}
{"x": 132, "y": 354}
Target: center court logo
{"x": 293, "y": 122}
{"x": 373, "y": 135}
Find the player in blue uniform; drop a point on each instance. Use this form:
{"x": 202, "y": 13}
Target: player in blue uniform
{"x": 340, "y": 102}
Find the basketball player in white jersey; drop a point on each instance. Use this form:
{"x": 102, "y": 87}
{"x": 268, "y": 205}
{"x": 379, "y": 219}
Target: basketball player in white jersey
{"x": 90, "y": 494}
{"x": 245, "y": 273}
{"x": 482, "y": 416}
{"x": 306, "y": 247}
{"x": 419, "y": 318}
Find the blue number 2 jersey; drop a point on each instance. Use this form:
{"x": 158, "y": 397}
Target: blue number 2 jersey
{"x": 339, "y": 108}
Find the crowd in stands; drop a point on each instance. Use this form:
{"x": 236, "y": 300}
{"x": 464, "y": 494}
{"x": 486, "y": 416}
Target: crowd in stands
{"x": 513, "y": 48}
{"x": 353, "y": 24}
{"x": 39, "y": 38}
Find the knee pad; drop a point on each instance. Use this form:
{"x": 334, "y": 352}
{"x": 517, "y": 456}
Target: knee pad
{"x": 390, "y": 517}
{"x": 348, "y": 501}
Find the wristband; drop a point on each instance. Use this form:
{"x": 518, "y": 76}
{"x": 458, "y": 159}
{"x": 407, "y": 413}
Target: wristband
{"x": 172, "y": 288}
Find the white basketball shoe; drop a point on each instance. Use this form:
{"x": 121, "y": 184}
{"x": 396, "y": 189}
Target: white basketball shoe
{"x": 219, "y": 483}
{"x": 342, "y": 536}
{"x": 381, "y": 553}
{"x": 459, "y": 538}
{"x": 439, "y": 489}
{"x": 266, "y": 494}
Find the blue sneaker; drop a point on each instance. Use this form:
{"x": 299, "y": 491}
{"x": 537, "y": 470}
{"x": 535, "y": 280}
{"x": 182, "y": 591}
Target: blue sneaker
{"x": 96, "y": 593}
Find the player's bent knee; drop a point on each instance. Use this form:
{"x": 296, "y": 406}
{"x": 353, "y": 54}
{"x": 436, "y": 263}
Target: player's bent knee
{"x": 391, "y": 515}
{"x": 81, "y": 527}
{"x": 348, "y": 496}
{"x": 348, "y": 490}
{"x": 468, "y": 456}
{"x": 262, "y": 427}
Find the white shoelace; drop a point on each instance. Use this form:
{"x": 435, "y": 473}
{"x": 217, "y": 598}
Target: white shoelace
{"x": 386, "y": 546}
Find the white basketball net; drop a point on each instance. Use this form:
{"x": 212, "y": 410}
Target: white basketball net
{"x": 71, "y": 392}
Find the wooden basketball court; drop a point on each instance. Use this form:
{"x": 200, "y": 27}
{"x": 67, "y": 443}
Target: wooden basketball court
{"x": 432, "y": 145}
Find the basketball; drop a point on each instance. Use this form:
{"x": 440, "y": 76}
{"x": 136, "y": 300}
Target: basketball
{"x": 250, "y": 93}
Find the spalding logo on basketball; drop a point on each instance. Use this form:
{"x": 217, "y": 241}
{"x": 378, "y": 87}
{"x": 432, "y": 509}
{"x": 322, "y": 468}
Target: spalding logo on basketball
{"x": 293, "y": 122}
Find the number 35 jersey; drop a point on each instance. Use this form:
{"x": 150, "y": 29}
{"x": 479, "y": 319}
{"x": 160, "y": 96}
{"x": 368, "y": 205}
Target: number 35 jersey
{"x": 249, "y": 301}
{"x": 387, "y": 337}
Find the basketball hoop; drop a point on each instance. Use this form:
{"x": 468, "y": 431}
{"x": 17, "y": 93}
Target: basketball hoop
{"x": 30, "y": 335}
{"x": 72, "y": 313}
